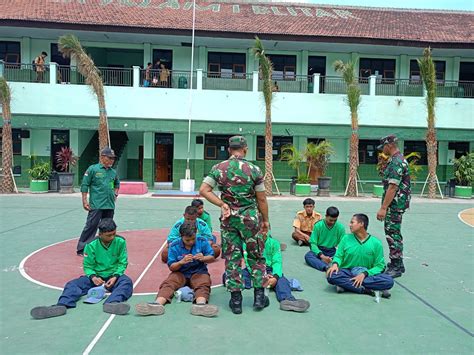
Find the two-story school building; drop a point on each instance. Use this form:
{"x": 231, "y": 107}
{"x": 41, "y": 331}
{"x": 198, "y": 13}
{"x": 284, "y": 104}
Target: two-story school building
{"x": 149, "y": 111}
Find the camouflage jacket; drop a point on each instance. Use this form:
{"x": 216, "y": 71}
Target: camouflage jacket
{"x": 398, "y": 173}
{"x": 238, "y": 180}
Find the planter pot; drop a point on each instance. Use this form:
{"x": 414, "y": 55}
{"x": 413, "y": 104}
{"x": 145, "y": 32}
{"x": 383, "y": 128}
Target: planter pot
{"x": 38, "y": 186}
{"x": 303, "y": 189}
{"x": 66, "y": 182}
{"x": 324, "y": 183}
{"x": 378, "y": 190}
{"x": 463, "y": 191}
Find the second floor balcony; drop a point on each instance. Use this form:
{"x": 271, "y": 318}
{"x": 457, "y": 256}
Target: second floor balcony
{"x": 152, "y": 78}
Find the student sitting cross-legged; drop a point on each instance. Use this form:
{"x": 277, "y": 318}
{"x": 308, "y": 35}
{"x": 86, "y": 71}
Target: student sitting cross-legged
{"x": 187, "y": 260}
{"x": 359, "y": 262}
{"x": 105, "y": 261}
{"x": 324, "y": 239}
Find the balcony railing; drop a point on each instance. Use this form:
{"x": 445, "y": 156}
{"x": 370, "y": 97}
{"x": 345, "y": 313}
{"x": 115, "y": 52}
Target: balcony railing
{"x": 227, "y": 81}
{"x": 399, "y": 87}
{"x": 158, "y": 78}
{"x": 290, "y": 83}
{"x": 176, "y": 79}
{"x": 337, "y": 85}
{"x": 27, "y": 73}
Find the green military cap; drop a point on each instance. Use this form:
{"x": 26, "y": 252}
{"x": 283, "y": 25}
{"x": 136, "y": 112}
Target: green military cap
{"x": 391, "y": 138}
{"x": 237, "y": 142}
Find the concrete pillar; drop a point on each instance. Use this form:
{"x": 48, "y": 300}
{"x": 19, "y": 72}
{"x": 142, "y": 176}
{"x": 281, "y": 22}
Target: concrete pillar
{"x": 26, "y": 55}
{"x": 372, "y": 83}
{"x": 136, "y": 76}
{"x": 147, "y": 54}
{"x": 404, "y": 67}
{"x": 2, "y": 68}
{"x": 198, "y": 79}
{"x": 53, "y": 73}
{"x": 304, "y": 62}
{"x": 255, "y": 81}
{"x": 316, "y": 80}
{"x": 201, "y": 58}
{"x": 456, "y": 68}
{"x": 149, "y": 158}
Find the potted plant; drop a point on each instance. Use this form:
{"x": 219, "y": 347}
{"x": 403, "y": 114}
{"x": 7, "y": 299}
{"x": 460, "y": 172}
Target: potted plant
{"x": 65, "y": 160}
{"x": 382, "y": 163}
{"x": 295, "y": 158}
{"x": 317, "y": 157}
{"x": 39, "y": 174}
{"x": 464, "y": 175}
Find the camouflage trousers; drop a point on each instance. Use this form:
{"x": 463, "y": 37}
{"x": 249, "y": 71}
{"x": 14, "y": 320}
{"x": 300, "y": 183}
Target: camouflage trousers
{"x": 393, "y": 234}
{"x": 235, "y": 232}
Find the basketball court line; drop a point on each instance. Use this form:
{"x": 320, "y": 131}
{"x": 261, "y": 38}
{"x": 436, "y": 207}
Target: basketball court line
{"x": 39, "y": 220}
{"x": 462, "y": 220}
{"x": 111, "y": 318}
{"x": 429, "y": 305}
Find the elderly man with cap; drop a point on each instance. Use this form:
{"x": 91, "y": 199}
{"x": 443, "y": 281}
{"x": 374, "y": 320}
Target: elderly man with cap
{"x": 395, "y": 201}
{"x": 102, "y": 184}
{"x": 244, "y": 220}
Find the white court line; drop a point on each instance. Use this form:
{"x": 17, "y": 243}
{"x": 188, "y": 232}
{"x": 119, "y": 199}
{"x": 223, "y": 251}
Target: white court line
{"x": 23, "y": 273}
{"x": 111, "y": 318}
{"x": 463, "y": 221}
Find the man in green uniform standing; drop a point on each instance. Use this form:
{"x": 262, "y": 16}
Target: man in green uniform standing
{"x": 102, "y": 184}
{"x": 395, "y": 201}
{"x": 244, "y": 219}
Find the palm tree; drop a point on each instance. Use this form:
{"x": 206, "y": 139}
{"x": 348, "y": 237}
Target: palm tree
{"x": 428, "y": 74}
{"x": 70, "y": 47}
{"x": 353, "y": 100}
{"x": 8, "y": 184}
{"x": 266, "y": 69}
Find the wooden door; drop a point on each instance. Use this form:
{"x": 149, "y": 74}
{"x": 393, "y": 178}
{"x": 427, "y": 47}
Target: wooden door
{"x": 162, "y": 168}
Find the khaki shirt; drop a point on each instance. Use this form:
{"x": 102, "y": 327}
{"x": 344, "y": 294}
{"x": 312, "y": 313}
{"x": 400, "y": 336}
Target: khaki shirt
{"x": 304, "y": 222}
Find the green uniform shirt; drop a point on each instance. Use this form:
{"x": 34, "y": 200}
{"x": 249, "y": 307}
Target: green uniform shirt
{"x": 206, "y": 217}
{"x": 105, "y": 261}
{"x": 238, "y": 180}
{"x": 101, "y": 184}
{"x": 272, "y": 255}
{"x": 326, "y": 237}
{"x": 352, "y": 253}
{"x": 398, "y": 173}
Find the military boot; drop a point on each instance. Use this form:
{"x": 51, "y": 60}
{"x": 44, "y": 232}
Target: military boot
{"x": 235, "y": 302}
{"x": 394, "y": 270}
{"x": 260, "y": 301}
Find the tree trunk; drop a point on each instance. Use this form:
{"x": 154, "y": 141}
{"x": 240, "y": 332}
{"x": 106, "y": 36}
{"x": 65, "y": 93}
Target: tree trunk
{"x": 103, "y": 126}
{"x": 353, "y": 157}
{"x": 432, "y": 147}
{"x": 268, "y": 150}
{"x": 8, "y": 185}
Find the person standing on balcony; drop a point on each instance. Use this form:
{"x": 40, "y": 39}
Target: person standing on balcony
{"x": 40, "y": 66}
{"x": 147, "y": 80}
{"x": 102, "y": 183}
{"x": 244, "y": 220}
{"x": 164, "y": 76}
{"x": 395, "y": 201}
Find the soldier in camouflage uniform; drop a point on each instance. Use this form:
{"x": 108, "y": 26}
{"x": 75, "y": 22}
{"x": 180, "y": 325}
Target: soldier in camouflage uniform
{"x": 395, "y": 201}
{"x": 244, "y": 220}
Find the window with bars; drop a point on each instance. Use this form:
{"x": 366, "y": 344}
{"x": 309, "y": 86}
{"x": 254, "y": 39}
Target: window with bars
{"x": 226, "y": 65}
{"x": 278, "y": 143}
{"x": 215, "y": 146}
